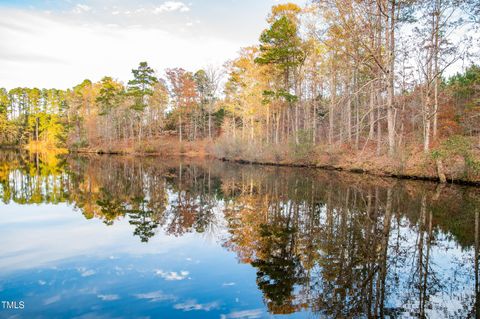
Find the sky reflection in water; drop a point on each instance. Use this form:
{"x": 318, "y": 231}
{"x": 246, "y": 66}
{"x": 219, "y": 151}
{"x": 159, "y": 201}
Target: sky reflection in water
{"x": 115, "y": 237}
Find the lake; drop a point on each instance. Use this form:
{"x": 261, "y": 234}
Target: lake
{"x": 125, "y": 237}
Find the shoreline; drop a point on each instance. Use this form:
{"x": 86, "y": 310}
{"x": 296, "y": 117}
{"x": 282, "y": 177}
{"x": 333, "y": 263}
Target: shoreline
{"x": 372, "y": 166}
{"x": 358, "y": 170}
{"x": 376, "y": 171}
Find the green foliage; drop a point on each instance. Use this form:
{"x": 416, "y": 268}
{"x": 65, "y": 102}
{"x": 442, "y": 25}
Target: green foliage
{"x": 218, "y": 117}
{"x": 31, "y": 114}
{"x": 110, "y": 207}
{"x": 464, "y": 92}
{"x": 142, "y": 85}
{"x": 109, "y": 95}
{"x": 304, "y": 147}
{"x": 465, "y": 84}
{"x": 203, "y": 85}
{"x": 5, "y": 125}
{"x": 458, "y": 145}
{"x": 144, "y": 147}
{"x": 142, "y": 218}
{"x": 52, "y": 129}
{"x": 79, "y": 144}
{"x": 4, "y": 101}
{"x": 281, "y": 45}
{"x": 278, "y": 268}
{"x": 269, "y": 96}
{"x": 9, "y": 132}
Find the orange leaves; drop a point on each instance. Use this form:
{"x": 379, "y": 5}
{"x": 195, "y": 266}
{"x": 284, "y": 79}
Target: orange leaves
{"x": 183, "y": 88}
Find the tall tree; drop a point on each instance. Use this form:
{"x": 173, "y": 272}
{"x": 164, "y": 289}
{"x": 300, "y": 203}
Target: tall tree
{"x": 184, "y": 95}
{"x": 281, "y": 46}
{"x": 158, "y": 105}
{"x": 109, "y": 97}
{"x": 141, "y": 88}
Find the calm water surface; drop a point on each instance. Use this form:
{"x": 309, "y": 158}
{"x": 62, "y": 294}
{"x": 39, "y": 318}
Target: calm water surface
{"x": 119, "y": 237}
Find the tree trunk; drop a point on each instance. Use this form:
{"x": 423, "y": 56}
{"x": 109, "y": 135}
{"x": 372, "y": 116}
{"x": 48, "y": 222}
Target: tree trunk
{"x": 209, "y": 124}
{"x": 372, "y": 113}
{"x": 440, "y": 171}
{"x": 36, "y": 128}
{"x": 379, "y": 131}
{"x": 436, "y": 70}
{"x": 333, "y": 92}
{"x": 268, "y": 124}
{"x": 427, "y": 124}
{"x": 180, "y": 126}
{"x": 391, "y": 77}
{"x": 349, "y": 119}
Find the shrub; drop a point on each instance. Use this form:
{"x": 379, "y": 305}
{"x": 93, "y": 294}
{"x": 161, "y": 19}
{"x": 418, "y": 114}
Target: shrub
{"x": 305, "y": 146}
{"x": 144, "y": 148}
{"x": 83, "y": 143}
{"x": 458, "y": 145}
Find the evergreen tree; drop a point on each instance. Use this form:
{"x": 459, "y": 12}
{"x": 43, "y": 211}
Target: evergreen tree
{"x": 281, "y": 44}
{"x": 141, "y": 87}
{"x": 108, "y": 95}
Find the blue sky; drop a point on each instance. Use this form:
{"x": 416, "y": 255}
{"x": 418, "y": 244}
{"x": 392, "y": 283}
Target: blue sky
{"x": 50, "y": 43}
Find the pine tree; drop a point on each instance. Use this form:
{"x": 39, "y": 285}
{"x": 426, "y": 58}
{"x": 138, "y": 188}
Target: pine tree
{"x": 141, "y": 87}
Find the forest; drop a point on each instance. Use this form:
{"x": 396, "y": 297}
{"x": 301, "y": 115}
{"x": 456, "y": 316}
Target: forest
{"x": 389, "y": 82}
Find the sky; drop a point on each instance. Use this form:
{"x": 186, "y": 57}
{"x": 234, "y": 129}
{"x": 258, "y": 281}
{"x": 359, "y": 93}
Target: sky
{"x": 46, "y": 43}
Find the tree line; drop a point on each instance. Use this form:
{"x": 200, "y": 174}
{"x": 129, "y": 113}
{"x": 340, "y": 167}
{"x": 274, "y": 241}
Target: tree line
{"x": 109, "y": 110}
{"x": 363, "y": 75}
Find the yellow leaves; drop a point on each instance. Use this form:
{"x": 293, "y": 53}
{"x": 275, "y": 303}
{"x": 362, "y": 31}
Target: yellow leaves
{"x": 289, "y": 10}
{"x": 245, "y": 218}
{"x": 45, "y": 147}
{"x": 5, "y": 168}
{"x": 286, "y": 8}
{"x": 246, "y": 84}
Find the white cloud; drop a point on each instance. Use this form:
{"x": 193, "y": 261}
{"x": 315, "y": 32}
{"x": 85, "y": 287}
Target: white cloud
{"x": 245, "y": 314}
{"x": 228, "y": 284}
{"x": 108, "y": 297}
{"x": 170, "y": 6}
{"x": 86, "y": 272}
{"x": 81, "y": 8}
{"x": 52, "y": 299}
{"x": 172, "y": 275}
{"x": 96, "y": 38}
{"x": 155, "y": 296}
{"x": 192, "y": 305}
{"x": 56, "y": 51}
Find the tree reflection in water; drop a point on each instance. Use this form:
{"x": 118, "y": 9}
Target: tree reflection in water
{"x": 339, "y": 245}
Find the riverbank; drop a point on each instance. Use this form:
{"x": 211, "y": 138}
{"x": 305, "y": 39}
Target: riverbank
{"x": 373, "y": 169}
{"x": 413, "y": 164}
{"x": 165, "y": 146}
